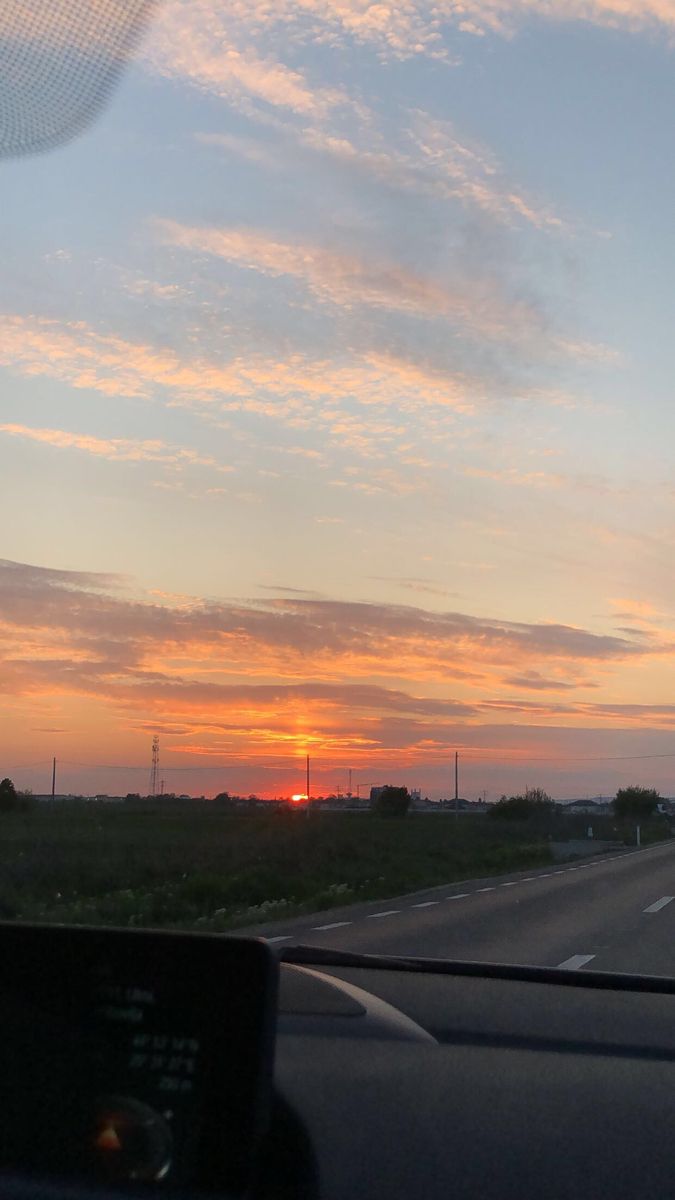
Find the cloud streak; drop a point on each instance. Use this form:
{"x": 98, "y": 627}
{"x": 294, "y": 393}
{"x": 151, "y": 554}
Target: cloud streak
{"x": 114, "y": 449}
{"x": 358, "y": 404}
{"x": 212, "y": 47}
{"x": 111, "y": 636}
{"x": 430, "y": 160}
{"x": 393, "y": 687}
{"x": 345, "y": 279}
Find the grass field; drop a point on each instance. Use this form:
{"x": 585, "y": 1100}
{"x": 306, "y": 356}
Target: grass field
{"x": 196, "y": 868}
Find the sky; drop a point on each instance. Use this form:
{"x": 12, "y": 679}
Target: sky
{"x": 336, "y": 415}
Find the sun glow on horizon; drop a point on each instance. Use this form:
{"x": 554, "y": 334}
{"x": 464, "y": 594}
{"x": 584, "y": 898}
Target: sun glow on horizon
{"x": 347, "y": 434}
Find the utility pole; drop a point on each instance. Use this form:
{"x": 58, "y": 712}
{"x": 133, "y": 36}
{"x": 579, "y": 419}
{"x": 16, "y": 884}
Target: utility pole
{"x": 350, "y": 782}
{"x": 307, "y": 788}
{"x": 53, "y": 777}
{"x": 456, "y": 784}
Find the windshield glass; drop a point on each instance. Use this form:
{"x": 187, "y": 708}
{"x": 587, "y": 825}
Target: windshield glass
{"x": 336, "y": 427}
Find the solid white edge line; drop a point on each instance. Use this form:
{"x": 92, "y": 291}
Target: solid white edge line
{"x": 333, "y": 925}
{"x": 658, "y": 904}
{"x": 575, "y": 962}
{"x": 389, "y": 913}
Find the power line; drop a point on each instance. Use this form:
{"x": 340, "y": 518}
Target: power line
{"x": 571, "y": 757}
{"x": 29, "y": 766}
{"x": 136, "y": 767}
{"x": 476, "y": 756}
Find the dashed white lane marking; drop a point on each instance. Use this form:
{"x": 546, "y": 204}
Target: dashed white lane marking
{"x": 576, "y": 961}
{"x": 659, "y": 904}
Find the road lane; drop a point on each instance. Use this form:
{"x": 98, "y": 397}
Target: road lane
{"x": 613, "y": 912}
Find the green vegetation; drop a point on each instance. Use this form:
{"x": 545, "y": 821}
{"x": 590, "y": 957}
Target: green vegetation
{"x": 197, "y": 867}
{"x": 392, "y": 802}
{"x": 534, "y": 802}
{"x": 191, "y": 865}
{"x": 11, "y": 800}
{"x": 637, "y": 802}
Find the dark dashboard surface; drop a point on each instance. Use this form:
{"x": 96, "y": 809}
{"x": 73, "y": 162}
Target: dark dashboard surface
{"x": 488, "y": 1088}
{"x": 391, "y": 1085}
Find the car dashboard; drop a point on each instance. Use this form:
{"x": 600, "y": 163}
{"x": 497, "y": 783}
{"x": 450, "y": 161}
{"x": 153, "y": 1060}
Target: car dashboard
{"x": 401, "y": 1078}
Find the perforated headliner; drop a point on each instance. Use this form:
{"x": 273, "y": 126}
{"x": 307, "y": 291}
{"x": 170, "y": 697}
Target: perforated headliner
{"x": 59, "y": 60}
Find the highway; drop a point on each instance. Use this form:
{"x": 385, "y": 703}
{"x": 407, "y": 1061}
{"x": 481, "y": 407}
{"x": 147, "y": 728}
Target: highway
{"x": 613, "y": 912}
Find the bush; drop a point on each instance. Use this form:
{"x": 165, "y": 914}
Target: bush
{"x": 636, "y": 802}
{"x": 392, "y": 802}
{"x": 534, "y": 802}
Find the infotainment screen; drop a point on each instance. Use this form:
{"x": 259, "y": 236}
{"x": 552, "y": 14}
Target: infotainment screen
{"x": 134, "y": 1057}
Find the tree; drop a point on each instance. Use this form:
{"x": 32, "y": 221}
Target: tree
{"x": 392, "y": 802}
{"x": 533, "y": 802}
{"x": 636, "y": 802}
{"x": 8, "y": 797}
{"x": 224, "y": 800}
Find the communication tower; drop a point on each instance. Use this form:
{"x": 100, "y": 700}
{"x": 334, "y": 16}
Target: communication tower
{"x": 155, "y": 766}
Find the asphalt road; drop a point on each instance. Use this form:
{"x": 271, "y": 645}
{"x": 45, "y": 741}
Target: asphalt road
{"x": 610, "y": 913}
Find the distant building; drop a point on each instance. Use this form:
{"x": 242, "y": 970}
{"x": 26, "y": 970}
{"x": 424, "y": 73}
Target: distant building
{"x": 597, "y": 808}
{"x": 462, "y": 805}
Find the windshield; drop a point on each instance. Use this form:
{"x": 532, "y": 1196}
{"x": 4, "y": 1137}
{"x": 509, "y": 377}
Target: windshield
{"x": 336, "y": 427}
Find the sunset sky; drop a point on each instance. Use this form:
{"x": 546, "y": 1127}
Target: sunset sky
{"x": 336, "y": 406}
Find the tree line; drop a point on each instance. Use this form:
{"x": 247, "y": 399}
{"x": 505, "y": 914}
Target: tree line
{"x": 634, "y": 802}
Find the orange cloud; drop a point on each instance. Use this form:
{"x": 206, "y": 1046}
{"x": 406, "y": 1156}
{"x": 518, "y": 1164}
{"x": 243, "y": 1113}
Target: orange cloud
{"x": 300, "y": 392}
{"x": 346, "y": 280}
{"x": 431, "y": 160}
{"x": 201, "y": 43}
{"x": 77, "y": 636}
{"x": 257, "y": 683}
{"x": 513, "y": 476}
{"x": 114, "y": 449}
